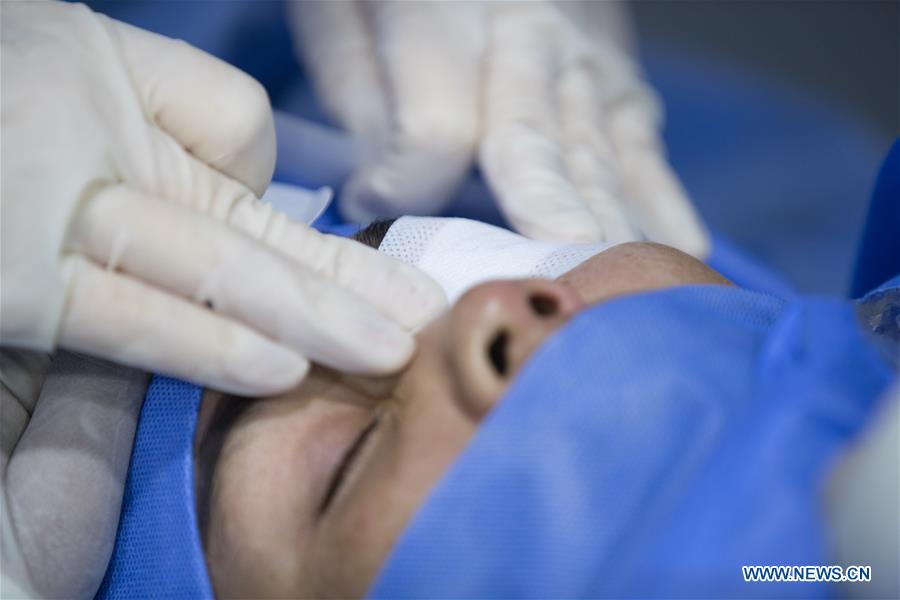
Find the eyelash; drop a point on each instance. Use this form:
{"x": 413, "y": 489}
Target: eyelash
{"x": 344, "y": 467}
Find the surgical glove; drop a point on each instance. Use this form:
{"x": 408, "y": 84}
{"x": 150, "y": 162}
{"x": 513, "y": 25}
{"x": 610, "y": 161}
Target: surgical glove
{"x": 545, "y": 94}
{"x": 131, "y": 227}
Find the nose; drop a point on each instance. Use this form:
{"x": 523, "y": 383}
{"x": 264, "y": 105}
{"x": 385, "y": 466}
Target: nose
{"x": 496, "y": 327}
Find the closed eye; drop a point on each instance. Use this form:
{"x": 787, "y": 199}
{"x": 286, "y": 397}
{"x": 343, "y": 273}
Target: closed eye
{"x": 344, "y": 467}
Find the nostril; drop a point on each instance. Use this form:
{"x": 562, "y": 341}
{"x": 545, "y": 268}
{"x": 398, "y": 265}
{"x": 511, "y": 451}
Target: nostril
{"x": 497, "y": 352}
{"x": 542, "y": 305}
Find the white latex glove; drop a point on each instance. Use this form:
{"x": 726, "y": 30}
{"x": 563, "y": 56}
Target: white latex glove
{"x": 547, "y": 96}
{"x": 131, "y": 227}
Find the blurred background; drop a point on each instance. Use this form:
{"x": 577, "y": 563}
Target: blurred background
{"x": 778, "y": 112}
{"x": 847, "y": 50}
{"x": 814, "y": 88}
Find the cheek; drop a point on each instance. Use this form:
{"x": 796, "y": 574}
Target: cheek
{"x": 357, "y": 535}
{"x": 412, "y": 453}
{"x": 271, "y": 479}
{"x": 249, "y": 551}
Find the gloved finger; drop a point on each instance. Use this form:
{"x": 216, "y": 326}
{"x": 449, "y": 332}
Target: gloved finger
{"x": 399, "y": 291}
{"x": 215, "y": 111}
{"x": 210, "y": 263}
{"x": 113, "y": 316}
{"x": 590, "y": 160}
{"x": 333, "y": 41}
{"x": 663, "y": 209}
{"x": 185, "y": 180}
{"x": 521, "y": 153}
{"x": 655, "y": 201}
{"x": 430, "y": 56}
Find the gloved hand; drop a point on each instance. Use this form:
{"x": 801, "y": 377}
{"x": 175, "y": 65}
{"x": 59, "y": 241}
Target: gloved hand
{"x": 131, "y": 227}
{"x": 546, "y": 95}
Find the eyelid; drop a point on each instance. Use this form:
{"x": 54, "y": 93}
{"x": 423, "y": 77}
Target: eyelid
{"x": 345, "y": 466}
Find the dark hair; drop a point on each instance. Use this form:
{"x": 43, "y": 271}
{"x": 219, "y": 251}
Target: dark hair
{"x": 228, "y": 411}
{"x": 374, "y": 233}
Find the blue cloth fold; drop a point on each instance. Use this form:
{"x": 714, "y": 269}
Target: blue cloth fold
{"x": 879, "y": 252}
{"x": 650, "y": 449}
{"x": 158, "y": 553}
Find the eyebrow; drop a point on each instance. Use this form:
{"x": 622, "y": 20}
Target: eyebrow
{"x": 374, "y": 233}
{"x": 227, "y": 414}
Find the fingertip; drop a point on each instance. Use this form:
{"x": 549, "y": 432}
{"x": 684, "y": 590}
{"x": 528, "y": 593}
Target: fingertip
{"x": 432, "y": 304}
{"x": 418, "y": 176}
{"x": 682, "y": 230}
{"x": 262, "y": 368}
{"x": 214, "y": 110}
{"x": 245, "y": 132}
{"x": 385, "y": 346}
{"x": 420, "y": 302}
{"x": 360, "y": 203}
{"x": 558, "y": 228}
{"x": 345, "y": 332}
{"x": 397, "y": 349}
{"x": 373, "y": 346}
{"x": 698, "y": 243}
{"x": 670, "y": 215}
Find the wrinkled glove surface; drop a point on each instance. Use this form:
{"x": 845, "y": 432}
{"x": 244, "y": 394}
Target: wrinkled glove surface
{"x": 545, "y": 96}
{"x": 132, "y": 230}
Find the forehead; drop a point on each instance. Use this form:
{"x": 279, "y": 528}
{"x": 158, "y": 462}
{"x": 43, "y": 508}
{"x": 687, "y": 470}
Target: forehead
{"x": 636, "y": 267}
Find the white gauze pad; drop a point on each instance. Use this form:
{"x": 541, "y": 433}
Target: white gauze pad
{"x": 461, "y": 253}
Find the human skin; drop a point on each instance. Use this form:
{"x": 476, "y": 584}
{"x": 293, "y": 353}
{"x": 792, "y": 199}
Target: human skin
{"x": 267, "y": 535}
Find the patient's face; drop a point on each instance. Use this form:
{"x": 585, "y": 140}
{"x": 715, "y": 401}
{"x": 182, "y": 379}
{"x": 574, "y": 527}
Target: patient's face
{"x": 313, "y": 487}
